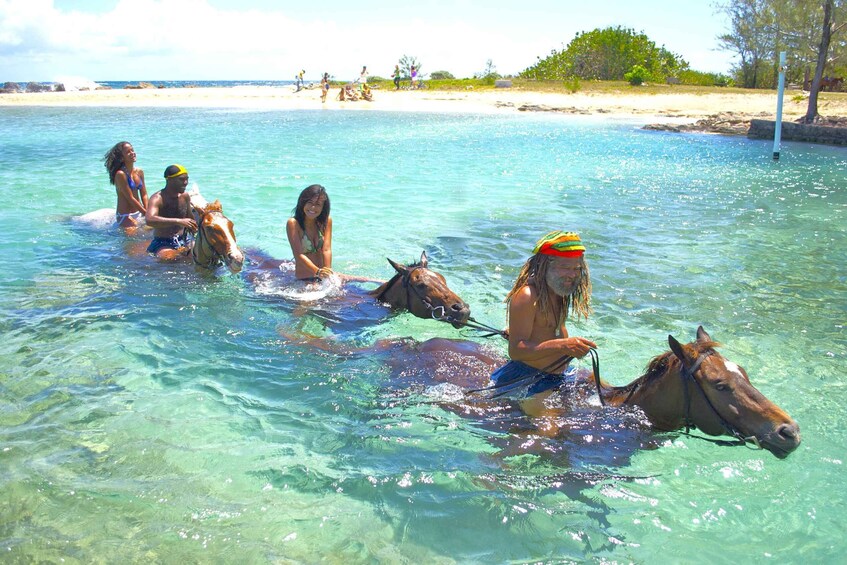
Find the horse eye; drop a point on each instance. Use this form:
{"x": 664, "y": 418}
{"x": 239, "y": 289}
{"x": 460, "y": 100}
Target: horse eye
{"x": 722, "y": 387}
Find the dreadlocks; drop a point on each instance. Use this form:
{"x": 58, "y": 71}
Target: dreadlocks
{"x": 534, "y": 273}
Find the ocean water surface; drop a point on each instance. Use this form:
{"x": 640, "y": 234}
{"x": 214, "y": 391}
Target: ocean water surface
{"x": 150, "y": 413}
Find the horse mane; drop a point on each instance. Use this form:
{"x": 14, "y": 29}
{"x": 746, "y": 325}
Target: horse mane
{"x": 390, "y": 282}
{"x": 658, "y": 366}
{"x": 213, "y": 207}
{"x": 663, "y": 363}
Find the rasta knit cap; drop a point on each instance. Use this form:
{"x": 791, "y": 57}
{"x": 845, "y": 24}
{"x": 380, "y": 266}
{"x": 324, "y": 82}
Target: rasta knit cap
{"x": 175, "y": 171}
{"x": 560, "y": 244}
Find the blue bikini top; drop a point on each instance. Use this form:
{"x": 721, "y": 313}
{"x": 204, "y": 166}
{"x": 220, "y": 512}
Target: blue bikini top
{"x": 132, "y": 184}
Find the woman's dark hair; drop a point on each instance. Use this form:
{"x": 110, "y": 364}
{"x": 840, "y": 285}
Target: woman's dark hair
{"x": 310, "y": 193}
{"x": 114, "y": 160}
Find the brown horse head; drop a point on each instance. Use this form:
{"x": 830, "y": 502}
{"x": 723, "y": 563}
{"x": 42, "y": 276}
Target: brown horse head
{"x": 693, "y": 385}
{"x": 215, "y": 243}
{"x": 423, "y": 292}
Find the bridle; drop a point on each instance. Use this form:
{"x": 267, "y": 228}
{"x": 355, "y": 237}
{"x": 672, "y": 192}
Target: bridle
{"x": 215, "y": 258}
{"x": 687, "y": 375}
{"x": 405, "y": 278}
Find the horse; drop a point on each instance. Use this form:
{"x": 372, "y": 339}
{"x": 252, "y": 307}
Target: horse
{"x": 413, "y": 288}
{"x": 689, "y": 386}
{"x": 215, "y": 243}
{"x": 693, "y": 386}
{"x": 422, "y": 292}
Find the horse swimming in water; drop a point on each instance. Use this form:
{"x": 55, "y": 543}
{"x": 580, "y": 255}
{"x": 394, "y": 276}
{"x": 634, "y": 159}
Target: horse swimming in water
{"x": 414, "y": 288}
{"x": 422, "y": 292}
{"x": 693, "y": 386}
{"x": 690, "y": 386}
{"x": 215, "y": 243}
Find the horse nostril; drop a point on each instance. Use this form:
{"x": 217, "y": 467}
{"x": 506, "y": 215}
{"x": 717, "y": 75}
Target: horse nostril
{"x": 788, "y": 432}
{"x": 457, "y": 307}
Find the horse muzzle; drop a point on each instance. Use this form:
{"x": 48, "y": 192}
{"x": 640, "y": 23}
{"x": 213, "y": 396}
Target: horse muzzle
{"x": 234, "y": 261}
{"x": 458, "y": 314}
{"x": 783, "y": 440}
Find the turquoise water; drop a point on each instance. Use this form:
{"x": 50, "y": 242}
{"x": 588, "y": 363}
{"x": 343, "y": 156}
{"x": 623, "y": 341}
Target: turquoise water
{"x": 150, "y": 414}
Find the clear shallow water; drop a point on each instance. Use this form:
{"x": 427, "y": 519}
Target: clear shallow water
{"x": 151, "y": 414}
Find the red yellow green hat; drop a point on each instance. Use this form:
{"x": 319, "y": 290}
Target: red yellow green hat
{"x": 560, "y": 244}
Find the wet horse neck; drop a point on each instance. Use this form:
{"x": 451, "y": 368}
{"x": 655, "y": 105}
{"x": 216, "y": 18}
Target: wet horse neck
{"x": 659, "y": 395}
{"x": 392, "y": 292}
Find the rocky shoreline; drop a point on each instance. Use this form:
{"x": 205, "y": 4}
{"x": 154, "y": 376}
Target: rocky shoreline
{"x": 724, "y": 123}
{"x": 17, "y": 88}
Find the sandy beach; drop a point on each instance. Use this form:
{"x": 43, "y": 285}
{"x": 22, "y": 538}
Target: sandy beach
{"x": 651, "y": 107}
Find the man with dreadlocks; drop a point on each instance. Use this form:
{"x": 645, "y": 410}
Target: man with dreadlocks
{"x": 552, "y": 282}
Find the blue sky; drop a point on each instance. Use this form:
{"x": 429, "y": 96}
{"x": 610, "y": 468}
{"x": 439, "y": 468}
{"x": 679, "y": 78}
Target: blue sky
{"x": 273, "y": 39}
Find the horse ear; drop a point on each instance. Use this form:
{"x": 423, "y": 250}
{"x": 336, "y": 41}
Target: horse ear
{"x": 424, "y": 261}
{"x": 677, "y": 349}
{"x": 397, "y": 267}
{"x": 702, "y": 336}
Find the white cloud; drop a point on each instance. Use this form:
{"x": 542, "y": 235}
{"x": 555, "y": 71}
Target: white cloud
{"x": 191, "y": 39}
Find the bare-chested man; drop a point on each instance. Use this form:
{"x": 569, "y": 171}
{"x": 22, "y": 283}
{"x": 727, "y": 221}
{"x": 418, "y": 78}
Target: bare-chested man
{"x": 169, "y": 214}
{"x": 552, "y": 282}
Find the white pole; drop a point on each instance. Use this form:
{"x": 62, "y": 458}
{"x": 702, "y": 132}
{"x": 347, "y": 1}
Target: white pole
{"x": 777, "y": 130}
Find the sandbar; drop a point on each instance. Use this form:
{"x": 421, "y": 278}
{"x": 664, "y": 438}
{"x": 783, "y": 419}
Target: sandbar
{"x": 670, "y": 106}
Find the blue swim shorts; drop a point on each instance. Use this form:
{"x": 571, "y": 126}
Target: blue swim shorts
{"x": 515, "y": 371}
{"x": 173, "y": 242}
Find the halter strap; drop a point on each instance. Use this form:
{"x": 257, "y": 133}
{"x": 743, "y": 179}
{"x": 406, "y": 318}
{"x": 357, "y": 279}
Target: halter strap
{"x": 687, "y": 374}
{"x": 405, "y": 279}
{"x": 215, "y": 258}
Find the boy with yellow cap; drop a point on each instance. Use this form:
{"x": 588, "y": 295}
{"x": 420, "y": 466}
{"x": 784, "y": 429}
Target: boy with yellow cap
{"x": 552, "y": 282}
{"x": 169, "y": 214}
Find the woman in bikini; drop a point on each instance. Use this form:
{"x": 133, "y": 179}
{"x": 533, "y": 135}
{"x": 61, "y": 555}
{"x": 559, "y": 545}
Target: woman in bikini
{"x": 310, "y": 235}
{"x": 129, "y": 184}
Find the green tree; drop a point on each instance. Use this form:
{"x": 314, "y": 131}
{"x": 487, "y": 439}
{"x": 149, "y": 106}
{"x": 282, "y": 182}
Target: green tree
{"x": 406, "y": 62}
{"x": 828, "y": 28}
{"x": 441, "y": 75}
{"x": 607, "y": 54}
{"x": 751, "y": 37}
{"x": 489, "y": 72}
{"x": 761, "y": 29}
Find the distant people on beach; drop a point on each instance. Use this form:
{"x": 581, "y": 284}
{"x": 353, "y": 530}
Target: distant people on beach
{"x": 367, "y": 94}
{"x": 298, "y": 80}
{"x": 129, "y": 184}
{"x": 363, "y": 78}
{"x": 324, "y": 87}
{"x": 310, "y": 235}
{"x": 396, "y": 76}
{"x": 413, "y": 75}
{"x": 552, "y": 282}
{"x": 169, "y": 214}
{"x": 347, "y": 93}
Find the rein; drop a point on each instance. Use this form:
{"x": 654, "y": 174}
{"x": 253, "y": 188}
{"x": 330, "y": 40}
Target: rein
{"x": 687, "y": 376}
{"x": 529, "y": 380}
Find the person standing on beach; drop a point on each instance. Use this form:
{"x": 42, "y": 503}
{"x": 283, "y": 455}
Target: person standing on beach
{"x": 169, "y": 214}
{"x": 396, "y": 76}
{"x": 298, "y": 80}
{"x": 552, "y": 282}
{"x": 129, "y": 184}
{"x": 310, "y": 235}
{"x": 363, "y": 78}
{"x": 324, "y": 87}
{"x": 413, "y": 74}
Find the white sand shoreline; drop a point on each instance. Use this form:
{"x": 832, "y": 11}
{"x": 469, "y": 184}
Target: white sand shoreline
{"x": 644, "y": 108}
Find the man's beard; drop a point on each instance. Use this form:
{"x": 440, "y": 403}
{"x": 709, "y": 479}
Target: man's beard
{"x": 561, "y": 287}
